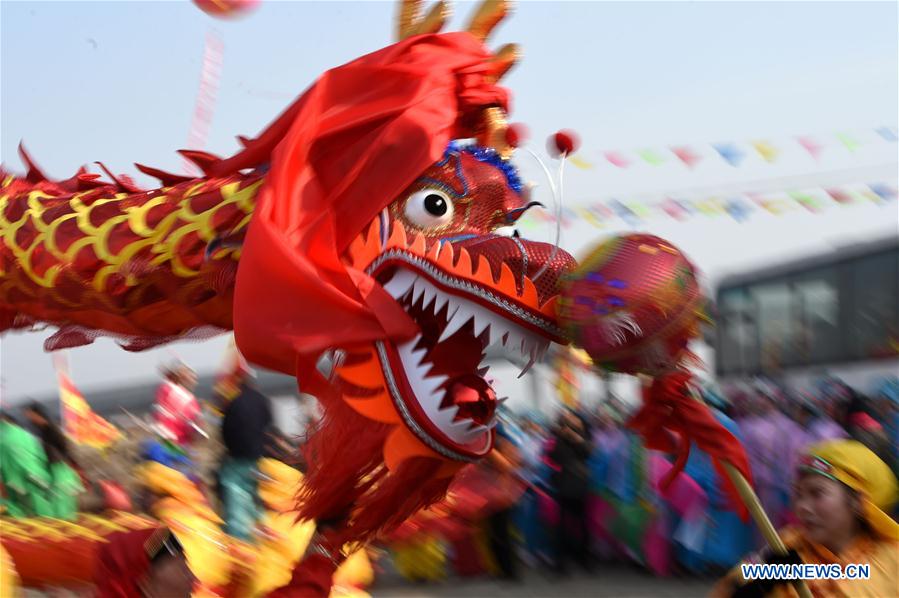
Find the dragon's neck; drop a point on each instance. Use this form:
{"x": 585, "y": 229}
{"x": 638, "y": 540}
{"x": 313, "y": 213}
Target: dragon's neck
{"x": 146, "y": 265}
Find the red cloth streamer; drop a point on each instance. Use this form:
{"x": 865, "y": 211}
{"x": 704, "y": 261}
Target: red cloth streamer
{"x": 122, "y": 564}
{"x": 354, "y": 142}
{"x": 668, "y": 410}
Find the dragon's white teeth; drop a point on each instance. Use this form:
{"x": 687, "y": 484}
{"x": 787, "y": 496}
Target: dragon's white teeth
{"x": 444, "y": 417}
{"x": 524, "y": 347}
{"x": 442, "y": 298}
{"x": 475, "y": 429}
{"x": 457, "y": 321}
{"x": 466, "y": 430}
{"x": 501, "y": 400}
{"x": 453, "y": 306}
{"x": 433, "y": 384}
{"x": 481, "y": 322}
{"x": 499, "y": 328}
{"x": 417, "y": 290}
{"x": 429, "y": 293}
{"x": 400, "y": 284}
{"x": 531, "y": 360}
{"x": 541, "y": 350}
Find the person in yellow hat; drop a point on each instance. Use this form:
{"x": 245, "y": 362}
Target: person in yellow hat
{"x": 841, "y": 499}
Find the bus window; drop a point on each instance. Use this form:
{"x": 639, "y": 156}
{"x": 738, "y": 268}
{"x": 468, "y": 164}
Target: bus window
{"x": 776, "y": 329}
{"x": 738, "y": 348}
{"x": 817, "y": 335}
{"x": 874, "y": 321}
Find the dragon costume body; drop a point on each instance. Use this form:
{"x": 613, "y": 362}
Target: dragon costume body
{"x": 355, "y": 243}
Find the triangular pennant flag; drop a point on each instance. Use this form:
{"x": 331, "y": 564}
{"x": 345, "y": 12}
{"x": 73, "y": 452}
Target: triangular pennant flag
{"x": 840, "y": 196}
{"x": 884, "y": 191}
{"x": 811, "y": 146}
{"x": 729, "y": 152}
{"x": 624, "y": 212}
{"x": 579, "y": 162}
{"x": 738, "y": 208}
{"x": 651, "y": 157}
{"x": 617, "y": 159}
{"x": 709, "y": 206}
{"x": 767, "y": 151}
{"x": 888, "y": 133}
{"x": 675, "y": 209}
{"x": 590, "y": 216}
{"x": 686, "y": 155}
{"x": 770, "y": 202}
{"x": 79, "y": 421}
{"x": 642, "y": 211}
{"x": 806, "y": 200}
{"x": 850, "y": 143}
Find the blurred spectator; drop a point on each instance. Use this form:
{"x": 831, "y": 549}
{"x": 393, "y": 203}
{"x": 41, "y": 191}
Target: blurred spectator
{"x": 176, "y": 411}
{"x": 571, "y": 486}
{"x": 246, "y": 420}
{"x": 505, "y": 462}
{"x": 870, "y": 433}
{"x": 23, "y": 471}
{"x": 65, "y": 482}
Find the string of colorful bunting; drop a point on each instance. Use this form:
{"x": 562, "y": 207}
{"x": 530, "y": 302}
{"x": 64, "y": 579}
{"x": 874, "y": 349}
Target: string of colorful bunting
{"x": 738, "y": 206}
{"x": 735, "y": 154}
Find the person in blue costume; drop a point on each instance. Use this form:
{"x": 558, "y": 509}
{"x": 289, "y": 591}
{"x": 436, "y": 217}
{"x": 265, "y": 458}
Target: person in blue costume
{"x": 527, "y": 513}
{"x": 608, "y": 440}
{"x": 727, "y": 537}
{"x": 628, "y": 493}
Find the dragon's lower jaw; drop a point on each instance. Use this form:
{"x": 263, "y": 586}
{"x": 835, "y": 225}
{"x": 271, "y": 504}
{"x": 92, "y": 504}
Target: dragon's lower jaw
{"x": 440, "y": 383}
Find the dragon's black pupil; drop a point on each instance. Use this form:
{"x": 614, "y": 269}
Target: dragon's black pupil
{"x": 435, "y": 205}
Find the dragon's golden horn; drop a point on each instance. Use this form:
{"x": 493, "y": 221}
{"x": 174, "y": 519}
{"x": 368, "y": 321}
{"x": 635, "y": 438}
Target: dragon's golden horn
{"x": 492, "y": 132}
{"x": 487, "y": 17}
{"x": 434, "y": 20}
{"x": 408, "y": 18}
{"x": 505, "y": 59}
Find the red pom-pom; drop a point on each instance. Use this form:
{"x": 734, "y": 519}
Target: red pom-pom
{"x": 517, "y": 134}
{"x": 563, "y": 143}
{"x": 226, "y": 9}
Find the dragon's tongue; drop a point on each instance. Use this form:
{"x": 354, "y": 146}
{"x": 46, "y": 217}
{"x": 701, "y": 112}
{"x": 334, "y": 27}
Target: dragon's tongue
{"x": 473, "y": 396}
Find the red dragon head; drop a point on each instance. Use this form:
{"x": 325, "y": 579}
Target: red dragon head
{"x": 377, "y": 243}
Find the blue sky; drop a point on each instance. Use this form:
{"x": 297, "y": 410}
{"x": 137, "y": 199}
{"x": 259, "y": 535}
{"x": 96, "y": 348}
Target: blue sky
{"x": 116, "y": 82}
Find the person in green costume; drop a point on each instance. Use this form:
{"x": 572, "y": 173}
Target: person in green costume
{"x": 23, "y": 471}
{"x": 65, "y": 483}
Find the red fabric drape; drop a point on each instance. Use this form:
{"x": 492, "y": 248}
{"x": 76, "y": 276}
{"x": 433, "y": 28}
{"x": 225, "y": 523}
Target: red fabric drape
{"x": 122, "y": 564}
{"x": 670, "y": 419}
{"x": 360, "y": 135}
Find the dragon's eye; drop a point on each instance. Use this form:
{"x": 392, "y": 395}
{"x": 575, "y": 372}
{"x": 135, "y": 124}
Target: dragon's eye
{"x": 429, "y": 208}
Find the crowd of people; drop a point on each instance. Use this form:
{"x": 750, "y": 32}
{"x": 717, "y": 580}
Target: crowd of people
{"x": 580, "y": 492}
{"x": 588, "y": 491}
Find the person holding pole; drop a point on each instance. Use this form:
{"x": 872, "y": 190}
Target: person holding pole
{"x": 842, "y": 496}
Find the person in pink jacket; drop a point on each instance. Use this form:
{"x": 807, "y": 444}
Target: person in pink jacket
{"x": 176, "y": 411}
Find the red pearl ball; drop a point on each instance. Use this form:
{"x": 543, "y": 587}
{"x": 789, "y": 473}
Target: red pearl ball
{"x": 517, "y": 134}
{"x": 226, "y": 9}
{"x": 564, "y": 143}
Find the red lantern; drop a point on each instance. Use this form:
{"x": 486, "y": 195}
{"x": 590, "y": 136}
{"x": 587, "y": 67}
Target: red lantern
{"x": 226, "y": 9}
{"x": 633, "y": 305}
